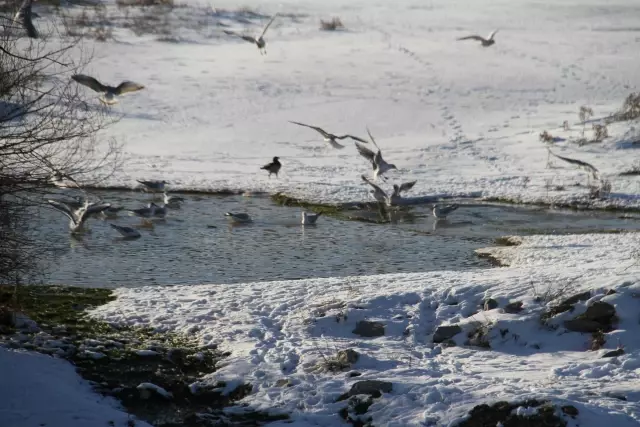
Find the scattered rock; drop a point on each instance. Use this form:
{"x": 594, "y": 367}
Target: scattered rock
{"x": 502, "y": 413}
{"x": 372, "y": 388}
{"x": 513, "y": 307}
{"x": 610, "y": 292}
{"x": 353, "y": 374}
{"x": 443, "y": 333}
{"x": 479, "y": 337}
{"x": 601, "y": 312}
{"x": 584, "y": 296}
{"x": 582, "y": 325}
{"x": 348, "y": 356}
{"x": 570, "y": 410}
{"x": 614, "y": 353}
{"x": 368, "y": 329}
{"x": 599, "y": 316}
{"x": 283, "y": 382}
{"x": 489, "y": 304}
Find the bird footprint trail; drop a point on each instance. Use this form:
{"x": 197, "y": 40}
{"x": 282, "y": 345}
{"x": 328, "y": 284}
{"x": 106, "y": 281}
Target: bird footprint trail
{"x": 456, "y": 132}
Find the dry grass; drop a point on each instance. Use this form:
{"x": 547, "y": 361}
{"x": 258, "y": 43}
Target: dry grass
{"x": 630, "y": 108}
{"x": 334, "y": 24}
{"x": 600, "y": 133}
{"x": 546, "y": 137}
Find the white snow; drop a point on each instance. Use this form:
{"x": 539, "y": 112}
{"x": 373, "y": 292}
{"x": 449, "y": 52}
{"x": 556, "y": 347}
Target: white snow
{"x": 459, "y": 118}
{"x": 39, "y": 390}
{"x": 155, "y": 388}
{"x": 280, "y": 330}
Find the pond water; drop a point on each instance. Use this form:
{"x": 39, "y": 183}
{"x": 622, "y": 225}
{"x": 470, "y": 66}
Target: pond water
{"x": 196, "y": 244}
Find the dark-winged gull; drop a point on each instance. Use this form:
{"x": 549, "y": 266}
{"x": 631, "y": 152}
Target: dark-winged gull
{"x": 441, "y": 212}
{"x": 127, "y": 232}
{"x": 258, "y": 41}
{"x": 329, "y": 137}
{"x": 377, "y": 162}
{"x": 109, "y": 93}
{"x": 485, "y": 42}
{"x": 273, "y": 167}
{"x": 238, "y": 218}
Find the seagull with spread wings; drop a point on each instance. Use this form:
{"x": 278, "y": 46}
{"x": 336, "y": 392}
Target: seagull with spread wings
{"x": 398, "y": 189}
{"x": 378, "y": 163}
{"x": 78, "y": 217}
{"x": 330, "y": 138}
{"x": 25, "y": 15}
{"x": 485, "y": 42}
{"x": 381, "y": 196}
{"x": 109, "y": 93}
{"x": 258, "y": 41}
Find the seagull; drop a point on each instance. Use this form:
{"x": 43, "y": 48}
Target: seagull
{"x": 239, "y": 218}
{"x": 378, "y": 163}
{"x": 397, "y": 189}
{"x": 579, "y": 163}
{"x": 112, "y": 212}
{"x": 26, "y": 15}
{"x": 273, "y": 167}
{"x": 153, "y": 185}
{"x": 485, "y": 42}
{"x": 378, "y": 193}
{"x": 441, "y": 212}
{"x": 77, "y": 217}
{"x": 310, "y": 218}
{"x": 329, "y": 137}
{"x": 145, "y": 213}
{"x": 127, "y": 232}
{"x": 172, "y": 201}
{"x": 109, "y": 92}
{"x": 158, "y": 211}
{"x": 74, "y": 204}
{"x": 258, "y": 41}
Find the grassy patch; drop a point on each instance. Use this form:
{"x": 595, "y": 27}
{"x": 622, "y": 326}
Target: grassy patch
{"x": 502, "y": 413}
{"x": 117, "y": 359}
{"x": 508, "y": 241}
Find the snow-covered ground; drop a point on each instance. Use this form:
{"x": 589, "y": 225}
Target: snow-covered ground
{"x": 457, "y": 117}
{"x": 40, "y": 390}
{"x": 285, "y": 330}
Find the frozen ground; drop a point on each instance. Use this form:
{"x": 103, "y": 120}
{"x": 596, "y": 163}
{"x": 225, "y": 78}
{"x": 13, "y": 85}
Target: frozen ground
{"x": 457, "y": 117}
{"x": 40, "y": 390}
{"x": 285, "y": 330}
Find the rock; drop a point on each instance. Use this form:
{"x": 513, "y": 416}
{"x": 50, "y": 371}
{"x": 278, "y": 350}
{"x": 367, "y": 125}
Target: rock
{"x": 443, "y": 333}
{"x": 513, "y": 307}
{"x": 601, "y": 312}
{"x": 610, "y": 292}
{"x": 489, "y": 304}
{"x": 368, "y": 329}
{"x": 373, "y": 388}
{"x": 570, "y": 410}
{"x": 582, "y": 325}
{"x": 347, "y": 357}
{"x": 283, "y": 382}
{"x": 576, "y": 298}
{"x": 353, "y": 374}
{"x": 614, "y": 353}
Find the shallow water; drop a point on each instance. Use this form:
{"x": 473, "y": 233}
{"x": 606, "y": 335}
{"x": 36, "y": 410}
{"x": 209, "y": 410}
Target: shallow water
{"x": 196, "y": 244}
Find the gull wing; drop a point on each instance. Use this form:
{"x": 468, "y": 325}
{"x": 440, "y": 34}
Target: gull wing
{"x": 25, "y": 13}
{"x": 355, "y": 138}
{"x": 373, "y": 140}
{"x": 128, "y": 86}
{"x": 366, "y": 153}
{"x": 492, "y": 34}
{"x": 375, "y": 187}
{"x": 89, "y": 82}
{"x": 317, "y": 129}
{"x": 266, "y": 27}
{"x": 243, "y": 37}
{"x": 64, "y": 209}
{"x": 480, "y": 39}
{"x": 406, "y": 186}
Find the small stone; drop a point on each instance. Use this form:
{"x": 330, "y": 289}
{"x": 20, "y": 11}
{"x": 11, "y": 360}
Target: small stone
{"x": 489, "y": 304}
{"x": 577, "y": 298}
{"x": 283, "y": 382}
{"x": 347, "y": 357}
{"x": 443, "y": 333}
{"x": 353, "y": 374}
{"x": 570, "y": 410}
{"x": 614, "y": 353}
{"x": 373, "y": 388}
{"x": 610, "y": 292}
{"x": 582, "y": 325}
{"x": 600, "y": 311}
{"x": 513, "y": 307}
{"x": 365, "y": 328}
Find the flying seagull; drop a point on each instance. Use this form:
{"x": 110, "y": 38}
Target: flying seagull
{"x": 441, "y": 212}
{"x": 153, "y": 185}
{"x": 239, "y": 218}
{"x": 329, "y": 137}
{"x": 109, "y": 93}
{"x": 273, "y": 167}
{"x": 378, "y": 163}
{"x": 378, "y": 193}
{"x": 398, "y": 189}
{"x": 485, "y": 42}
{"x": 310, "y": 218}
{"x": 79, "y": 216}
{"x": 258, "y": 41}
{"x": 127, "y": 232}
{"x": 25, "y": 14}
{"x": 579, "y": 163}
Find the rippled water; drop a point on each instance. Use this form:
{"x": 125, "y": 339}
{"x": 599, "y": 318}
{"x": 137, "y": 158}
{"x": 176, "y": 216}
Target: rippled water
{"x": 196, "y": 244}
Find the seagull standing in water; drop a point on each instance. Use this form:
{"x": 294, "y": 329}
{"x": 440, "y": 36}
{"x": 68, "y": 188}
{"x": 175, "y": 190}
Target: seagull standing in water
{"x": 172, "y": 202}
{"x": 112, "y": 212}
{"x": 310, "y": 218}
{"x": 273, "y": 167}
{"x": 127, "y": 232}
{"x": 78, "y": 217}
{"x": 485, "y": 42}
{"x": 329, "y": 137}
{"x": 395, "y": 197}
{"x": 25, "y": 14}
{"x": 238, "y": 218}
{"x": 153, "y": 186}
{"x": 441, "y": 212}
{"x": 145, "y": 213}
{"x": 258, "y": 41}
{"x": 109, "y": 93}
{"x": 378, "y": 163}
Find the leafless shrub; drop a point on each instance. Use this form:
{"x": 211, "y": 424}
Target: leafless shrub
{"x": 584, "y": 114}
{"x": 598, "y": 340}
{"x": 600, "y": 133}
{"x": 550, "y": 292}
{"x": 600, "y": 189}
{"x": 546, "y": 137}
{"x": 630, "y": 108}
{"x": 152, "y": 20}
{"x": 565, "y": 125}
{"x": 93, "y": 22}
{"x": 334, "y": 24}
